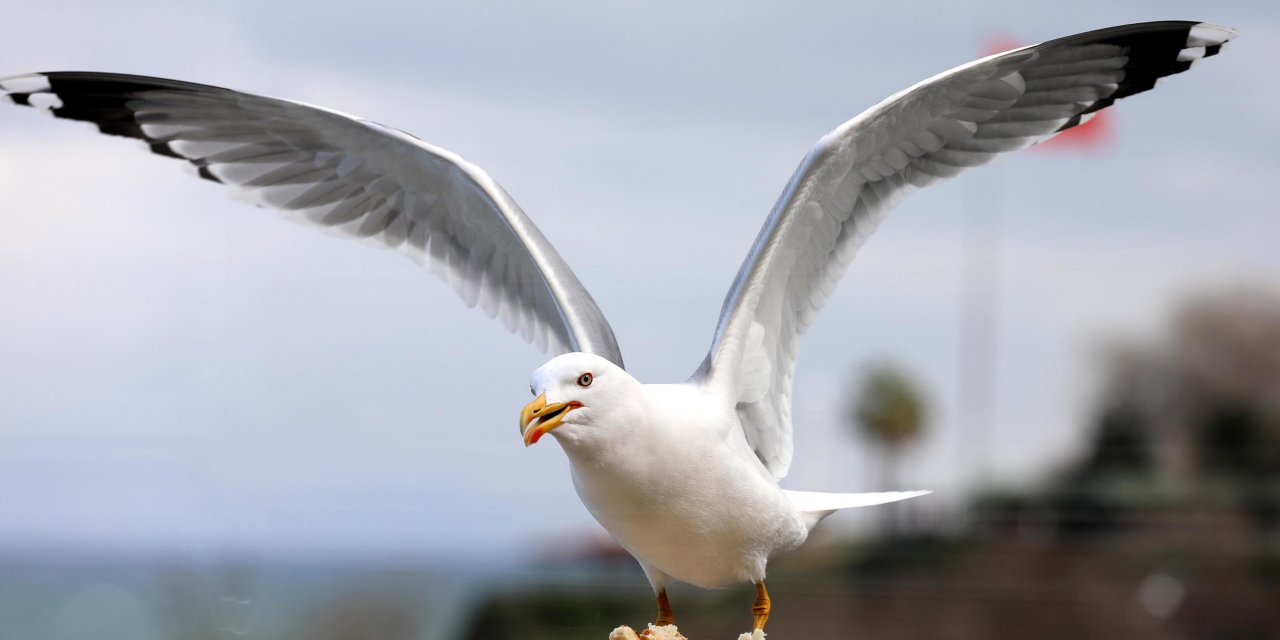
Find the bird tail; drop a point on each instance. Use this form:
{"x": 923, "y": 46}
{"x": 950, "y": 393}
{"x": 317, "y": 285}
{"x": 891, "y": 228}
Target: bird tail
{"x": 815, "y": 505}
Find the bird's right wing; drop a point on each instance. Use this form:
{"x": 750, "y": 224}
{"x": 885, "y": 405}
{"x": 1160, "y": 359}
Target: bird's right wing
{"x": 352, "y": 176}
{"x": 855, "y": 175}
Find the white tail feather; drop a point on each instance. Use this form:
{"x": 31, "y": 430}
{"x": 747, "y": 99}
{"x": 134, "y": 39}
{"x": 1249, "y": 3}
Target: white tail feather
{"x": 815, "y": 505}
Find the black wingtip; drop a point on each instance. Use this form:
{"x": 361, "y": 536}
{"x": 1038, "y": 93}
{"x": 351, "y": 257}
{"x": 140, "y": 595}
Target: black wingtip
{"x": 109, "y": 101}
{"x": 105, "y": 99}
{"x": 1152, "y": 55}
{"x": 204, "y": 172}
{"x": 1072, "y": 122}
{"x": 1154, "y": 51}
{"x": 163, "y": 149}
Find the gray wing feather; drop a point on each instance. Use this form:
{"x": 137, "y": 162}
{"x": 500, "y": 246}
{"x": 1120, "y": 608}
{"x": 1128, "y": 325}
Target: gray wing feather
{"x": 353, "y": 177}
{"x": 855, "y": 175}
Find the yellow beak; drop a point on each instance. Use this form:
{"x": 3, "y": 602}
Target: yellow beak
{"x": 538, "y": 417}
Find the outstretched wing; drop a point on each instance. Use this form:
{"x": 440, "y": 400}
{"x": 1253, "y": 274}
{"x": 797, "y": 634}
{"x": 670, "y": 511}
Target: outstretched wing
{"x": 352, "y": 176}
{"x": 851, "y": 179}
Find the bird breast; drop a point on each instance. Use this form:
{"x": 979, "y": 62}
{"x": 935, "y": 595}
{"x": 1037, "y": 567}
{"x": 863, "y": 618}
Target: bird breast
{"x": 685, "y": 495}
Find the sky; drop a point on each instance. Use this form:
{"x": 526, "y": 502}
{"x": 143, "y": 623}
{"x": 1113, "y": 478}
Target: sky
{"x": 183, "y": 373}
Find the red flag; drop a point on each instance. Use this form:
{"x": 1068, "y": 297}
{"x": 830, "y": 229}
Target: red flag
{"x": 1090, "y": 135}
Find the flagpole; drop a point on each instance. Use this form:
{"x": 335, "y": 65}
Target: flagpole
{"x": 982, "y": 229}
{"x": 979, "y": 322}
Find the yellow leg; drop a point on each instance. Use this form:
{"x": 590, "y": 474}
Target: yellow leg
{"x": 760, "y": 610}
{"x": 665, "y": 617}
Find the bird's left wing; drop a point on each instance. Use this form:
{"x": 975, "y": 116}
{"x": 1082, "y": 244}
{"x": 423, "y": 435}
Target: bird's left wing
{"x": 850, "y": 180}
{"x": 355, "y": 177}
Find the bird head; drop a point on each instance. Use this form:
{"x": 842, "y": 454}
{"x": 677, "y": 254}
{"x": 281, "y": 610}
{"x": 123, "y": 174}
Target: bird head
{"x": 574, "y": 394}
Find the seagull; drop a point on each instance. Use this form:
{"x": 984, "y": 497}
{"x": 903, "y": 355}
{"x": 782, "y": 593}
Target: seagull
{"x": 684, "y": 476}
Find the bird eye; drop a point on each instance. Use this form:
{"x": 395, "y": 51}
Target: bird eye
{"x": 585, "y": 379}
{"x": 531, "y": 391}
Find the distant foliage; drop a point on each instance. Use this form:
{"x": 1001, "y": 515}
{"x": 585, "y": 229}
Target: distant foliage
{"x": 1204, "y": 400}
{"x": 889, "y": 407}
{"x": 1188, "y": 420}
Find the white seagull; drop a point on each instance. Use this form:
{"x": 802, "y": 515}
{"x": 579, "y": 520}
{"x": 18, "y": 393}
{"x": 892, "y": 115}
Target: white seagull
{"x": 684, "y": 476}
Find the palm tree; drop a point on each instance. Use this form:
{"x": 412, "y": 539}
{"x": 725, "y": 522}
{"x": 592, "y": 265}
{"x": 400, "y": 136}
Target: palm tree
{"x": 889, "y": 409}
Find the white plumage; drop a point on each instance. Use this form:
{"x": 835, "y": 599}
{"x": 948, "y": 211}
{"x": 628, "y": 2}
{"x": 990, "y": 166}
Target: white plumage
{"x": 685, "y": 476}
{"x": 665, "y": 469}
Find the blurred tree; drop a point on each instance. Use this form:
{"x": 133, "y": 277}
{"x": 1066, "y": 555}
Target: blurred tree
{"x": 889, "y": 409}
{"x": 1196, "y": 411}
{"x": 1121, "y": 444}
{"x": 1207, "y": 396}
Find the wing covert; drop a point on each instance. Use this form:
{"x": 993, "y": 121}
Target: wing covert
{"x": 353, "y": 177}
{"x": 854, "y": 176}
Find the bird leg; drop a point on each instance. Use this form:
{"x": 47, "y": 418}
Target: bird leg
{"x": 665, "y": 616}
{"x": 760, "y": 610}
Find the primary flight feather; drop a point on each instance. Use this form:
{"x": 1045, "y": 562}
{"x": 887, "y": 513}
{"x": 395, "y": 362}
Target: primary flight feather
{"x": 684, "y": 476}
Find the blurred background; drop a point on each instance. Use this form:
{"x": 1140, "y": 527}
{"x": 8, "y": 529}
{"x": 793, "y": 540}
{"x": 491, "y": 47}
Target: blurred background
{"x": 215, "y": 423}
